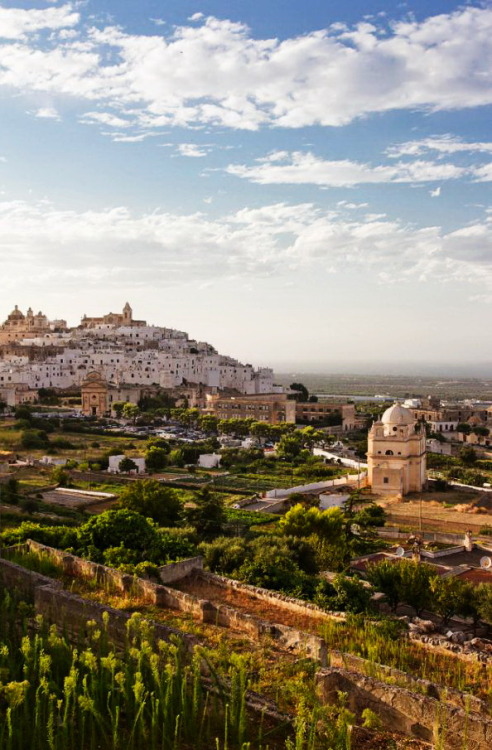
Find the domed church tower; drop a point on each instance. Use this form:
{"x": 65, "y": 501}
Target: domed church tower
{"x": 396, "y": 453}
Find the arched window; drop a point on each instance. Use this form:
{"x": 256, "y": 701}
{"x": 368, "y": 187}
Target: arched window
{"x": 389, "y": 453}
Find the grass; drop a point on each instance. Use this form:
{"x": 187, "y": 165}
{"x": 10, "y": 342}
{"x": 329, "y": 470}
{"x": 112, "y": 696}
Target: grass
{"x": 55, "y": 696}
{"x": 381, "y": 642}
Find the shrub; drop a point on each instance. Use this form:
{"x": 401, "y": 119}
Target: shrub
{"x": 208, "y": 515}
{"x": 351, "y": 594}
{"x": 117, "y": 528}
{"x": 153, "y": 500}
{"x": 62, "y": 444}
{"x": 34, "y": 439}
{"x": 52, "y": 536}
{"x": 224, "y": 555}
{"x": 156, "y": 458}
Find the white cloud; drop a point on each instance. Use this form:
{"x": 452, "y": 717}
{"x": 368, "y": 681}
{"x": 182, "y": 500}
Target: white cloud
{"x": 196, "y": 17}
{"x": 484, "y": 174}
{"x": 444, "y": 144}
{"x": 47, "y": 113}
{"x": 16, "y": 23}
{"x": 435, "y": 193}
{"x": 350, "y": 205}
{"x": 306, "y": 168}
{"x": 105, "y": 118}
{"x": 42, "y": 243}
{"x": 191, "y": 149}
{"x": 217, "y": 73}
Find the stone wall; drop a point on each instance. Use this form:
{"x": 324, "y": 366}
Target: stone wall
{"x": 72, "y": 614}
{"x": 280, "y": 601}
{"x": 411, "y": 713}
{"x": 115, "y": 580}
{"x": 409, "y": 705}
{"x": 352, "y": 663}
{"x": 174, "y": 571}
{"x": 164, "y": 596}
{"x": 23, "y": 582}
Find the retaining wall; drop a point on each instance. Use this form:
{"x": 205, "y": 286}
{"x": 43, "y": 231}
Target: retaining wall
{"x": 280, "y": 601}
{"x": 22, "y": 581}
{"x": 174, "y": 571}
{"x": 408, "y": 712}
{"x": 71, "y": 612}
{"x": 164, "y": 596}
{"x": 419, "y": 712}
{"x": 381, "y": 672}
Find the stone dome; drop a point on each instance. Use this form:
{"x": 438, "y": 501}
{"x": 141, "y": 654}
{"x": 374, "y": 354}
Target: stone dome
{"x": 397, "y": 415}
{"x": 16, "y": 314}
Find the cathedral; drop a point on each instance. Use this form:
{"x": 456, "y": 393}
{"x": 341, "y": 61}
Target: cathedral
{"x": 396, "y": 453}
{"x": 19, "y": 326}
{"x": 124, "y": 318}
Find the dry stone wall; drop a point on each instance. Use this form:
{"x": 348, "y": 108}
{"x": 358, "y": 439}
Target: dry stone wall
{"x": 279, "y": 601}
{"x": 23, "y": 582}
{"x": 73, "y": 615}
{"x": 71, "y": 612}
{"x": 174, "y": 571}
{"x": 352, "y": 663}
{"x": 409, "y": 705}
{"x": 411, "y": 713}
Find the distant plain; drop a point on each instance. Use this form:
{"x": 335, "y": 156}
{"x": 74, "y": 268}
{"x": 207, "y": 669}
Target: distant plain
{"x": 392, "y": 385}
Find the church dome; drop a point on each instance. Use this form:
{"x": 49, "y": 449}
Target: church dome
{"x": 16, "y": 314}
{"x": 397, "y": 415}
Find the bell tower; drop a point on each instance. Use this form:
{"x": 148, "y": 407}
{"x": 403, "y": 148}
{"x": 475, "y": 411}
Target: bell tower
{"x": 127, "y": 314}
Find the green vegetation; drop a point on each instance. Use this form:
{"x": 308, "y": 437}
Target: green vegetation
{"x": 419, "y": 586}
{"x": 57, "y": 697}
{"x": 155, "y": 695}
{"x": 383, "y": 642}
{"x": 152, "y": 500}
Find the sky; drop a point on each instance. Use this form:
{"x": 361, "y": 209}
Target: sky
{"x": 305, "y": 185}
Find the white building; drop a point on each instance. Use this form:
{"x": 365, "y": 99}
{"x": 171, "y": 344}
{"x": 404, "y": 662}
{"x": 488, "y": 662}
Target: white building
{"x": 139, "y": 355}
{"x": 114, "y": 464}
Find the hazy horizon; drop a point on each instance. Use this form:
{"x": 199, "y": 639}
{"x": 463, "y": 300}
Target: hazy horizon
{"x": 449, "y": 371}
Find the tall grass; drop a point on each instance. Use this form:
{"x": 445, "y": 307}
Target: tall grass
{"x": 382, "y": 642}
{"x": 56, "y": 696}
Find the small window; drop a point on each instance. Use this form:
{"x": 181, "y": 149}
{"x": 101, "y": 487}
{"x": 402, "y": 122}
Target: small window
{"x": 385, "y": 480}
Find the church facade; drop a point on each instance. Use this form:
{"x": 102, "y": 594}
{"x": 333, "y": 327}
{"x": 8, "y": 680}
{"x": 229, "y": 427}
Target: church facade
{"x": 396, "y": 453}
{"x": 19, "y": 326}
{"x": 125, "y": 318}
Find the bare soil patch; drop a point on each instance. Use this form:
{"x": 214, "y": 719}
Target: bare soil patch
{"x": 245, "y": 602}
{"x": 462, "y": 515}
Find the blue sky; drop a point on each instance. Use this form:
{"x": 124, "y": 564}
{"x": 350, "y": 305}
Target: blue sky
{"x": 305, "y": 185}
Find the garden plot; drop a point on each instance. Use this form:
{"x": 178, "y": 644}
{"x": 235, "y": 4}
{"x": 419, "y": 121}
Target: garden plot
{"x": 244, "y": 600}
{"x": 71, "y": 498}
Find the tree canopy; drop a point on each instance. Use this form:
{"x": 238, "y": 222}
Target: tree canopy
{"x": 151, "y": 499}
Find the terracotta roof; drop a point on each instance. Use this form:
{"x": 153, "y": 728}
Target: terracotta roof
{"x": 477, "y": 575}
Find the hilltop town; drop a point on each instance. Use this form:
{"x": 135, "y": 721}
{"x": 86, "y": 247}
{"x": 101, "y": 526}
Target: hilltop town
{"x": 37, "y": 353}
